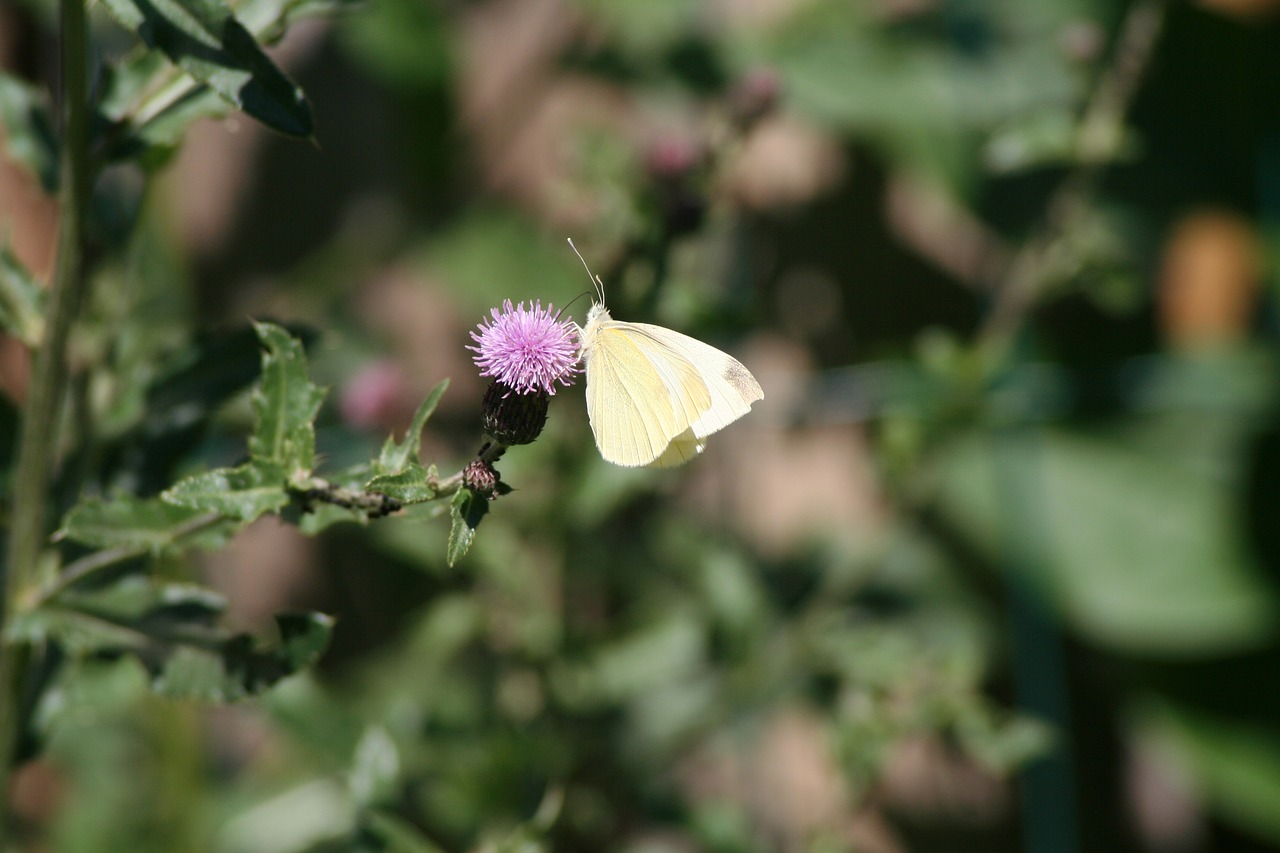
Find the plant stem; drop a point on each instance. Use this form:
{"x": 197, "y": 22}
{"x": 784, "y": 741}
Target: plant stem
{"x": 38, "y": 442}
{"x": 1101, "y": 134}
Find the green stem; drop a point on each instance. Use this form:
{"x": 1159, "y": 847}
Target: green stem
{"x": 1101, "y": 133}
{"x": 38, "y": 442}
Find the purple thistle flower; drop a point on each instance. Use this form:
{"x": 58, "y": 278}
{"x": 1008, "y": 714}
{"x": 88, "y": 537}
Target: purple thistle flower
{"x": 526, "y": 350}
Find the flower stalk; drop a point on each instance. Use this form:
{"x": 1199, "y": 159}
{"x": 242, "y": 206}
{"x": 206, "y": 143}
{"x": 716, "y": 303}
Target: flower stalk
{"x": 37, "y": 445}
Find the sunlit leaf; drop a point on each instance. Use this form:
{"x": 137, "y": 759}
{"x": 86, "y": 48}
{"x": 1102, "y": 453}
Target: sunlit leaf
{"x": 244, "y": 493}
{"x": 375, "y": 768}
{"x": 149, "y": 524}
{"x": 413, "y": 484}
{"x": 285, "y": 405}
{"x": 206, "y": 40}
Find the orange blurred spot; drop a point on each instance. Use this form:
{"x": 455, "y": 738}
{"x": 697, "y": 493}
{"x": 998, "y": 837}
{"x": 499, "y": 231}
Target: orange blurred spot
{"x": 1209, "y": 280}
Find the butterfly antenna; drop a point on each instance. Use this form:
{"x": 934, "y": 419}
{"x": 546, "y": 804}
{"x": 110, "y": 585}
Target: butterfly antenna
{"x": 570, "y": 302}
{"x": 595, "y": 279}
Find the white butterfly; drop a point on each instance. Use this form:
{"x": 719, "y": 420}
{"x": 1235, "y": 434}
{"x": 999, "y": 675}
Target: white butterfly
{"x": 654, "y": 395}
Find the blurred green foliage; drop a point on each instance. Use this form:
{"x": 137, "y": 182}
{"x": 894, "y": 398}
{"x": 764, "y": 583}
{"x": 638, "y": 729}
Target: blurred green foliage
{"x": 1069, "y": 570}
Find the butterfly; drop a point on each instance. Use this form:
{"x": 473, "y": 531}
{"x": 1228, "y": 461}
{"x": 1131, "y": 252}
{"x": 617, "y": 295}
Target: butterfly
{"x": 654, "y": 395}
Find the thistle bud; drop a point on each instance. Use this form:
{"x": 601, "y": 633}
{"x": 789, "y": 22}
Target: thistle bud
{"x": 513, "y": 418}
{"x": 481, "y": 477}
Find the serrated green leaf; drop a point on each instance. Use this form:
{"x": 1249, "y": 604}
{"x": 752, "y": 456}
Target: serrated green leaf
{"x": 466, "y": 511}
{"x": 285, "y": 405}
{"x": 21, "y": 300}
{"x": 28, "y": 126}
{"x": 244, "y": 493}
{"x": 148, "y": 524}
{"x": 396, "y": 455}
{"x": 412, "y": 485}
{"x": 206, "y": 40}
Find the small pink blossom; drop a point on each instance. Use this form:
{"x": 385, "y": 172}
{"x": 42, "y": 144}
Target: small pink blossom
{"x": 529, "y": 351}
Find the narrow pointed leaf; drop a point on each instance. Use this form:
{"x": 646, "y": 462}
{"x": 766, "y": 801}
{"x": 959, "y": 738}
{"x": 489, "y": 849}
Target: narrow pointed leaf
{"x": 466, "y": 512}
{"x": 396, "y": 455}
{"x": 206, "y": 40}
{"x": 285, "y": 405}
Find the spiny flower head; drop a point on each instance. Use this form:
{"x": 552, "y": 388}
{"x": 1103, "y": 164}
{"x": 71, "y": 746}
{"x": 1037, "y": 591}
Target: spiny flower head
{"x": 528, "y": 351}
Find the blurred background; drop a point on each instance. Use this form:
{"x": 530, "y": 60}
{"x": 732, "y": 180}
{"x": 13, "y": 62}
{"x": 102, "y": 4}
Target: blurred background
{"x": 993, "y": 566}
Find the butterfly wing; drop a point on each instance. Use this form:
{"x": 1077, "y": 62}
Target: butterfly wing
{"x": 641, "y": 393}
{"x": 654, "y": 395}
{"x": 731, "y": 387}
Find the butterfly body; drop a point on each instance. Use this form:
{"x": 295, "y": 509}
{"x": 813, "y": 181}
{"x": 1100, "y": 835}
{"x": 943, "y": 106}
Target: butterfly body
{"x": 654, "y": 395}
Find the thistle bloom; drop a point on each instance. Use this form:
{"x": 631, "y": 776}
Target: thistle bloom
{"x": 528, "y": 351}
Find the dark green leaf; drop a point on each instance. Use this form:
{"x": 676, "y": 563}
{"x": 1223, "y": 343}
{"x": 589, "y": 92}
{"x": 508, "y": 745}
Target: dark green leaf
{"x": 144, "y": 523}
{"x": 285, "y": 404}
{"x": 244, "y": 493}
{"x": 240, "y": 666}
{"x": 414, "y": 484}
{"x": 204, "y": 38}
{"x": 466, "y": 511}
{"x": 173, "y": 630}
{"x": 29, "y": 129}
{"x": 129, "y": 615}
{"x": 21, "y": 300}
{"x": 396, "y": 455}
{"x": 198, "y": 380}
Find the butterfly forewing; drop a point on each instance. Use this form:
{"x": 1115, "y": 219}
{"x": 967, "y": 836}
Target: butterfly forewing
{"x": 633, "y": 411}
{"x": 731, "y": 388}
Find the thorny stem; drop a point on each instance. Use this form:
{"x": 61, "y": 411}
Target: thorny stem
{"x": 1101, "y": 130}
{"x": 38, "y": 442}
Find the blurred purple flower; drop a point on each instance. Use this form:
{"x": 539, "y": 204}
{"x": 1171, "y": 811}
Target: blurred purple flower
{"x": 527, "y": 350}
